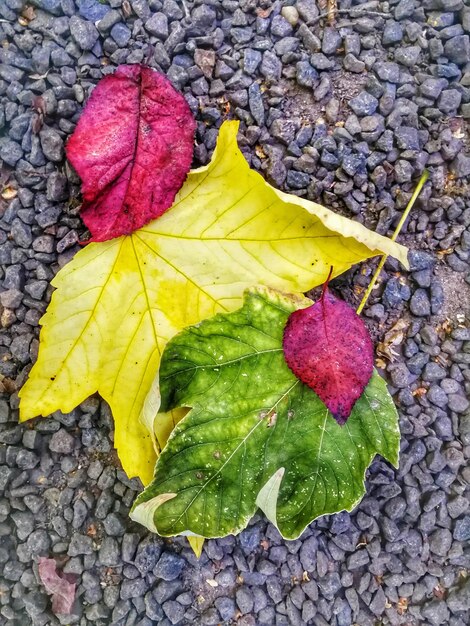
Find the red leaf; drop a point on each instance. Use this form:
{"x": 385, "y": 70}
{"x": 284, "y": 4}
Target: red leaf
{"x": 61, "y": 589}
{"x": 329, "y": 349}
{"x": 132, "y": 148}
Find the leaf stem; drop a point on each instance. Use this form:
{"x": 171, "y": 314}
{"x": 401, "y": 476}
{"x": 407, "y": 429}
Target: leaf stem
{"x": 417, "y": 191}
{"x": 325, "y": 284}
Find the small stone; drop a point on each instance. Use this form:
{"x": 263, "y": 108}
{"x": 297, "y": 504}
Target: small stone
{"x": 61, "y": 442}
{"x": 407, "y": 138}
{"x": 11, "y": 298}
{"x": 21, "y": 233}
{"x": 353, "y": 163}
{"x": 172, "y": 9}
{"x": 109, "y": 553}
{"x": 256, "y": 103}
{"x": 297, "y": 180}
{"x": 321, "y": 62}
{"x": 24, "y": 522}
{"x": 157, "y": 25}
{"x": 311, "y": 42}
{"x": 352, "y": 44}
{"x": 84, "y": 33}
{"x": 308, "y": 554}
{"x": 421, "y": 260}
{"x": 251, "y": 61}
{"x": 91, "y": 10}
{"x": 440, "y": 541}
{"x": 459, "y": 599}
{"x": 420, "y": 304}
{"x": 276, "y": 172}
{"x": 352, "y": 64}
{"x": 401, "y": 376}
{"x": 57, "y": 187}
{"x": 287, "y": 46}
{"x": 458, "y": 403}
{"x": 308, "y": 10}
{"x": 80, "y": 544}
{"x": 457, "y": 49}
{"x": 392, "y": 34}
{"x": 460, "y": 166}
{"x": 358, "y": 559}
{"x": 394, "y": 293}
{"x": 408, "y": 56}
{"x": 437, "y": 396}
{"x": 271, "y": 66}
{"x": 404, "y": 9}
{"x": 433, "y": 372}
{"x": 437, "y": 297}
{"x": 52, "y": 144}
{"x": 11, "y": 152}
{"x": 376, "y": 311}
{"x": 67, "y": 241}
{"x": 169, "y": 566}
{"x": 379, "y": 601}
{"x": 432, "y": 87}
{"x": 462, "y": 529}
{"x": 329, "y": 585}
{"x": 114, "y": 525}
{"x": 291, "y": 15}
{"x": 440, "y": 20}
{"x": 280, "y": 27}
{"x": 436, "y": 613}
{"x": 364, "y": 104}
{"x": 389, "y": 72}
{"x": 306, "y": 75}
{"x": 449, "y": 101}
{"x": 331, "y": 41}
{"x": 133, "y": 588}
{"x": 226, "y": 607}
{"x": 174, "y": 611}
{"x": 284, "y": 130}
{"x": 147, "y": 556}
{"x": 121, "y": 34}
{"x": 105, "y": 24}
{"x": 130, "y": 541}
{"x": 403, "y": 171}
{"x": 26, "y": 459}
{"x": 244, "y": 599}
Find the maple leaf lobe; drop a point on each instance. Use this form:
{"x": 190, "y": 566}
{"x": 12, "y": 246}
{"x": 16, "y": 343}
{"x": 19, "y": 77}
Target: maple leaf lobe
{"x": 132, "y": 148}
{"x": 328, "y": 347}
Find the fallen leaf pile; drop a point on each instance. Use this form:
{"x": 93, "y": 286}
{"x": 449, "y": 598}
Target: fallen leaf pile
{"x": 117, "y": 303}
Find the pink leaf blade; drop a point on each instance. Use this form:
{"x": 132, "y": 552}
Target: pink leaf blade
{"x": 328, "y": 347}
{"x": 132, "y": 148}
{"x": 57, "y": 586}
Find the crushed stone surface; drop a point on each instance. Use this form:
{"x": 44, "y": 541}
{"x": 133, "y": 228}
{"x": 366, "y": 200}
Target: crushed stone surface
{"x": 347, "y": 114}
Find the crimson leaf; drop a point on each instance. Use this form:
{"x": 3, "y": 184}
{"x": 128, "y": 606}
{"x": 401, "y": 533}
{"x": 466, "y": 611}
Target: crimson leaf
{"x": 132, "y": 148}
{"x": 329, "y": 349}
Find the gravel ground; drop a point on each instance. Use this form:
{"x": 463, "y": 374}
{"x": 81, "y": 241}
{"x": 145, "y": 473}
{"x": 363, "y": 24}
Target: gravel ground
{"x": 348, "y": 115}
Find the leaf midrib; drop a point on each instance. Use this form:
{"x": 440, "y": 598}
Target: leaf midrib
{"x": 242, "y": 442}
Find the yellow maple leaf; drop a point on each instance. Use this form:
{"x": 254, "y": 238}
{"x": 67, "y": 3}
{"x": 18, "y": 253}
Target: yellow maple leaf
{"x": 117, "y": 303}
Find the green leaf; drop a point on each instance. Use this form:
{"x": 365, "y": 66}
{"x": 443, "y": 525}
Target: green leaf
{"x": 256, "y": 436}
